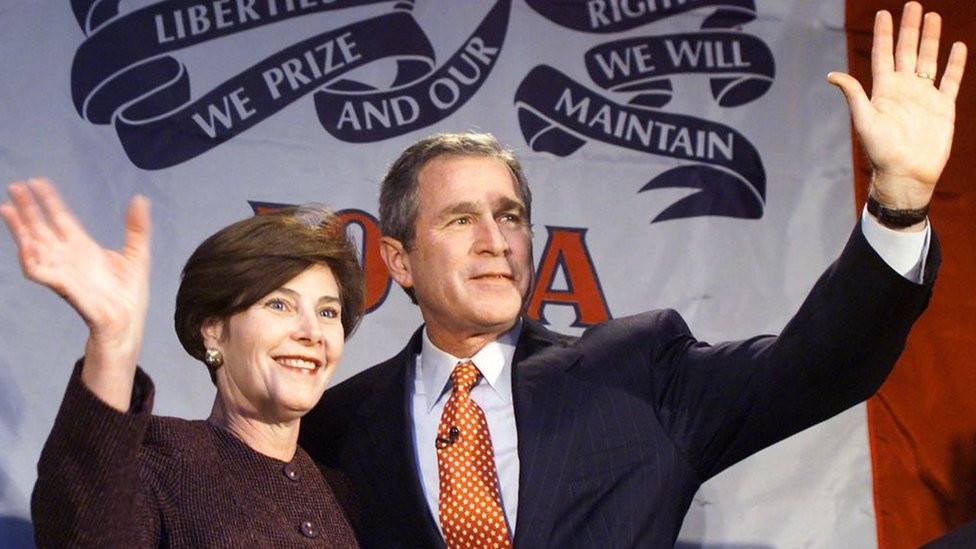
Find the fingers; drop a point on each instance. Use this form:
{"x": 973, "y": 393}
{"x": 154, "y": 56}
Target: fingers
{"x": 20, "y": 216}
{"x": 32, "y": 222}
{"x": 11, "y": 217}
{"x": 917, "y": 50}
{"x": 906, "y": 51}
{"x": 954, "y": 70}
{"x": 928, "y": 51}
{"x": 882, "y": 60}
{"x": 137, "y": 230}
{"x": 62, "y": 221}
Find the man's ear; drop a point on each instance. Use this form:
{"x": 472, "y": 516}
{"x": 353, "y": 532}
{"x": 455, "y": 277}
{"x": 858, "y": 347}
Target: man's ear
{"x": 212, "y": 332}
{"x": 397, "y": 261}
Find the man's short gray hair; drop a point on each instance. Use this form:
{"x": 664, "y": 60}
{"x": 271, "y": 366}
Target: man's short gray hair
{"x": 398, "y": 194}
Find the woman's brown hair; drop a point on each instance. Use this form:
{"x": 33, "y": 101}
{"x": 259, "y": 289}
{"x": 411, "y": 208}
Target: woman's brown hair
{"x": 243, "y": 262}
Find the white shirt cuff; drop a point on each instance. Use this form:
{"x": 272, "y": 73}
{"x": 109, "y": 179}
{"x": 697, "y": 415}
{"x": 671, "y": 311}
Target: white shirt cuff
{"x": 903, "y": 252}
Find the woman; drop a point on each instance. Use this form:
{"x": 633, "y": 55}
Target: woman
{"x": 266, "y": 304}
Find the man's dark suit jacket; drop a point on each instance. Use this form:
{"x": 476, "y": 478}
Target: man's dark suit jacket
{"x": 619, "y": 427}
{"x": 963, "y": 537}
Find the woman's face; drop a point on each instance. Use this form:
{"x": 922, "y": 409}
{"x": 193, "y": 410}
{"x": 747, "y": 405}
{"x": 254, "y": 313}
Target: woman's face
{"x": 280, "y": 353}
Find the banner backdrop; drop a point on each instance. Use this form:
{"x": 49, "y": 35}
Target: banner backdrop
{"x": 682, "y": 154}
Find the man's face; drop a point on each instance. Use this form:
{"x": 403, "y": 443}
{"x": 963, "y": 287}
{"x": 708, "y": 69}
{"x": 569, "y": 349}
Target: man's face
{"x": 471, "y": 260}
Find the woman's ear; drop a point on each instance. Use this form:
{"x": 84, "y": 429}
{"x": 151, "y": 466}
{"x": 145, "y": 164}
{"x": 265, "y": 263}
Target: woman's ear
{"x": 212, "y": 332}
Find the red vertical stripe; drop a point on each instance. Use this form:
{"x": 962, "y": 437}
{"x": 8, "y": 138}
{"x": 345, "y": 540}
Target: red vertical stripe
{"x": 923, "y": 421}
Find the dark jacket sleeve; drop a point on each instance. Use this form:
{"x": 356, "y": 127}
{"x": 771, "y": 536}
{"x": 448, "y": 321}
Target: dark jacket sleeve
{"x": 722, "y": 403}
{"x": 88, "y": 491}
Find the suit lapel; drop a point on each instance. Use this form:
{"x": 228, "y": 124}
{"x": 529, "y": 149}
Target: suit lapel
{"x": 542, "y": 397}
{"x": 386, "y": 418}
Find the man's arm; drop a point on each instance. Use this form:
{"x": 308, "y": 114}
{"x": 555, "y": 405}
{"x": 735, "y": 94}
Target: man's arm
{"x": 727, "y": 401}
{"x": 842, "y": 343}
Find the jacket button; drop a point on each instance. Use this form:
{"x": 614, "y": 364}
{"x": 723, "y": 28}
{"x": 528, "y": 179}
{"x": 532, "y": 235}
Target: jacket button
{"x": 291, "y": 471}
{"x": 310, "y": 530}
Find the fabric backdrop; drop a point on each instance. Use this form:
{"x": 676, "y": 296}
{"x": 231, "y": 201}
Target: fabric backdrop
{"x": 682, "y": 154}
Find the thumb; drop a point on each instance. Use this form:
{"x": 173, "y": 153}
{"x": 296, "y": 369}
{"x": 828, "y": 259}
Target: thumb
{"x": 137, "y": 230}
{"x": 857, "y": 100}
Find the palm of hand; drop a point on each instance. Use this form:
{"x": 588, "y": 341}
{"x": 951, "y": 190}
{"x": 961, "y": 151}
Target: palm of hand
{"x": 106, "y": 287}
{"x": 907, "y": 132}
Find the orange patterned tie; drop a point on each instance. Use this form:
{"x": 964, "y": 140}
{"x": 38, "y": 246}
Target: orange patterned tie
{"x": 470, "y": 504}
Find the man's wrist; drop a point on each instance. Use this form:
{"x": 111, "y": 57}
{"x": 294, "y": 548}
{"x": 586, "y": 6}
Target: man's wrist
{"x": 894, "y": 218}
{"x": 903, "y": 250}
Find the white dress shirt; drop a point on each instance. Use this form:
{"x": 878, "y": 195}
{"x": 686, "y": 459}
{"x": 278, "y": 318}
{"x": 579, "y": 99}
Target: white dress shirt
{"x": 904, "y": 252}
{"x": 493, "y": 393}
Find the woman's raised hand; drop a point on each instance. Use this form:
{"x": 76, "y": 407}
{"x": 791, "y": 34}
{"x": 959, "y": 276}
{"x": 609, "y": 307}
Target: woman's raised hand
{"x": 108, "y": 288}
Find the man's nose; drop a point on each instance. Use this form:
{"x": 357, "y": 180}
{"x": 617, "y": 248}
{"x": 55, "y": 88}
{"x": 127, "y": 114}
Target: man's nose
{"x": 490, "y": 238}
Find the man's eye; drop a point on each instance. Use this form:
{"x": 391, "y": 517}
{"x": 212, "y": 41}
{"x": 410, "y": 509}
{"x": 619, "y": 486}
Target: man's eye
{"x": 461, "y": 221}
{"x": 512, "y": 218}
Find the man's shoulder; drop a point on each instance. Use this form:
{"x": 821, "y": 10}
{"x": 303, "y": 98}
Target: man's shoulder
{"x": 668, "y": 319}
{"x": 658, "y": 321}
{"x": 324, "y": 429}
{"x": 369, "y": 379}
{"x": 381, "y": 377}
{"x": 642, "y": 333}
{"x": 378, "y": 376}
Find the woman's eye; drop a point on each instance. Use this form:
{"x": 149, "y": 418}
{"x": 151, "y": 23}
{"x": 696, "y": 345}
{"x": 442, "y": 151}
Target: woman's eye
{"x": 329, "y": 313}
{"x": 276, "y": 304}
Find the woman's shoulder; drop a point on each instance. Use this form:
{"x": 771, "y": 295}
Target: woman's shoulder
{"x": 175, "y": 439}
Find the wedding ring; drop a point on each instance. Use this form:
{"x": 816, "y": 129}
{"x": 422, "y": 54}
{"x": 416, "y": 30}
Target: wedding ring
{"x": 926, "y": 76}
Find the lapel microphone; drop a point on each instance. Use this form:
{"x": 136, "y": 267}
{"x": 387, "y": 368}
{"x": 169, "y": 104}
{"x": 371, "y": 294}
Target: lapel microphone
{"x": 440, "y": 443}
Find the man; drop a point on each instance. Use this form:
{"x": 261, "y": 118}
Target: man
{"x": 602, "y": 440}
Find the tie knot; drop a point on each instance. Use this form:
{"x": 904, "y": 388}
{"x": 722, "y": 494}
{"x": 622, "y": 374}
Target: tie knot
{"x": 464, "y": 376}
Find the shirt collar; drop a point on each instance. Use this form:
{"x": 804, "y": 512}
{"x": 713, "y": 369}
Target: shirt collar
{"x": 494, "y": 361}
